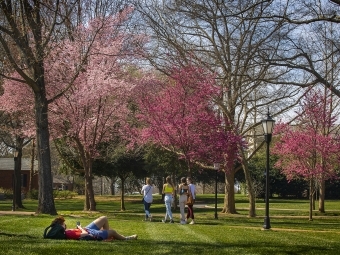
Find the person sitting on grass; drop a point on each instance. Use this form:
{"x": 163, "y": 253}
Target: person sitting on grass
{"x": 99, "y": 229}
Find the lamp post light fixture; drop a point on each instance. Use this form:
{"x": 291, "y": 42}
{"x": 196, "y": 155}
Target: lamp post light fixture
{"x": 267, "y": 125}
{"x": 216, "y": 167}
{"x": 15, "y": 154}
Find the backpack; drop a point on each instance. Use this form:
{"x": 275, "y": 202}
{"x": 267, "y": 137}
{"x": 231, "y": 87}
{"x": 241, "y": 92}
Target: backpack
{"x": 55, "y": 231}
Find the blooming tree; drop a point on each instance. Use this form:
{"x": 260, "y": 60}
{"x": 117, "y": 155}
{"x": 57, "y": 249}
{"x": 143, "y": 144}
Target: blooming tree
{"x": 85, "y": 110}
{"x": 306, "y": 150}
{"x": 33, "y": 32}
{"x": 178, "y": 114}
{"x": 17, "y": 127}
{"x": 90, "y": 113}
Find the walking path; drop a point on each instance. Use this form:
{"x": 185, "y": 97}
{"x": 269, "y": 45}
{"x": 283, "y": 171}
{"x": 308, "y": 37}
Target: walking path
{"x": 17, "y": 213}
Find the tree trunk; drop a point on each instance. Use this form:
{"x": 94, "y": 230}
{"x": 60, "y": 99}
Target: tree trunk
{"x": 32, "y": 166}
{"x": 112, "y": 185}
{"x": 189, "y": 172}
{"x": 89, "y": 187}
{"x": 90, "y": 193}
{"x": 160, "y": 182}
{"x": 311, "y": 187}
{"x": 229, "y": 198}
{"x": 173, "y": 179}
{"x": 322, "y": 196}
{"x": 122, "y": 204}
{"x": 87, "y": 201}
{"x": 17, "y": 174}
{"x": 250, "y": 189}
{"x": 46, "y": 200}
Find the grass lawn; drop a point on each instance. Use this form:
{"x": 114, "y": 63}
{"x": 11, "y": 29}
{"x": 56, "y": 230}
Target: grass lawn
{"x": 291, "y": 233}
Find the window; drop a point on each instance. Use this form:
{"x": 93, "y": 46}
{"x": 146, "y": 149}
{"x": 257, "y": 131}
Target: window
{"x": 24, "y": 180}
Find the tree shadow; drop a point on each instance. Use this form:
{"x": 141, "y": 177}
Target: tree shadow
{"x": 17, "y": 235}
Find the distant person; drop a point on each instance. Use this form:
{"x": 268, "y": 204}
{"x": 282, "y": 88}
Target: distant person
{"x": 147, "y": 190}
{"x": 183, "y": 195}
{"x": 98, "y": 229}
{"x": 191, "y": 192}
{"x": 169, "y": 192}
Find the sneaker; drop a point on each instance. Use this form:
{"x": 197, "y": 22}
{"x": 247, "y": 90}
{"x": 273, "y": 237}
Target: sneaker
{"x": 133, "y": 237}
{"x": 172, "y": 221}
{"x": 163, "y": 221}
{"x": 150, "y": 217}
{"x": 192, "y": 222}
{"x": 183, "y": 222}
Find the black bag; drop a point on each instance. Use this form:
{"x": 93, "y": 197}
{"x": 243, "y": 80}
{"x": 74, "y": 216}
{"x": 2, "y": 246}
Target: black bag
{"x": 143, "y": 200}
{"x": 55, "y": 231}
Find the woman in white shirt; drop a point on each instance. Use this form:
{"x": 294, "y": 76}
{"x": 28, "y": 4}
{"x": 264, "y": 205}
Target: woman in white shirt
{"x": 147, "y": 190}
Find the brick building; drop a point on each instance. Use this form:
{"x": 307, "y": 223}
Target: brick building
{"x": 7, "y": 171}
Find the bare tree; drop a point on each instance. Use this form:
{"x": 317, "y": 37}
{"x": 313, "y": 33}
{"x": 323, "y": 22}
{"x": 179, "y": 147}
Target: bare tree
{"x": 229, "y": 38}
{"x": 312, "y": 50}
{"x": 312, "y": 42}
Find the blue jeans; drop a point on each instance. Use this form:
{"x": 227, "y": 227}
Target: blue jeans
{"x": 168, "y": 202}
{"x": 147, "y": 209}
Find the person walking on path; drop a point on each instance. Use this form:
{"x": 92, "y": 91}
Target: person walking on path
{"x": 168, "y": 191}
{"x": 192, "y": 193}
{"x": 183, "y": 195}
{"x": 147, "y": 191}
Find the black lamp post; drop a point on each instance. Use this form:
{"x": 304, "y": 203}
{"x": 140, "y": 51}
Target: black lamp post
{"x": 267, "y": 125}
{"x": 216, "y": 167}
{"x": 14, "y": 180}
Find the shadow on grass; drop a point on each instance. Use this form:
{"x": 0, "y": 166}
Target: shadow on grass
{"x": 287, "y": 201}
{"x": 226, "y": 245}
{"x": 17, "y": 235}
{"x": 170, "y": 247}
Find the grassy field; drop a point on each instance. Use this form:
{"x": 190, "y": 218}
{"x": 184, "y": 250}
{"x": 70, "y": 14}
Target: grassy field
{"x": 291, "y": 233}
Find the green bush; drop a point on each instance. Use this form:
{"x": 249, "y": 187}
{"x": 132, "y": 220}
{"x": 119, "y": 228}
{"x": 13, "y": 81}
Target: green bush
{"x": 2, "y": 194}
{"x": 63, "y": 194}
{"x": 8, "y": 193}
{"x": 33, "y": 194}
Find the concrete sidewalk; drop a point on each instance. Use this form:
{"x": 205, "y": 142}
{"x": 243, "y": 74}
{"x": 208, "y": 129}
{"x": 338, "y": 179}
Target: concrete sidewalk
{"x": 17, "y": 213}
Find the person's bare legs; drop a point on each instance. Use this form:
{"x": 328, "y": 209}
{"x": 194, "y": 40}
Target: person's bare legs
{"x": 115, "y": 235}
{"x": 102, "y": 223}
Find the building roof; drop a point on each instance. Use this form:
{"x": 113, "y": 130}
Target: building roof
{"x": 8, "y": 164}
{"x": 61, "y": 179}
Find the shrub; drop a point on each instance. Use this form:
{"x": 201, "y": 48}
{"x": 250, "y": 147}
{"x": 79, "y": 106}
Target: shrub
{"x": 63, "y": 194}
{"x": 2, "y": 194}
{"x": 33, "y": 194}
{"x": 8, "y": 193}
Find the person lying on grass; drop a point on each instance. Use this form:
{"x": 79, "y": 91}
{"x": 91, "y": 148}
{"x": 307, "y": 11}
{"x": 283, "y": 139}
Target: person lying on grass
{"x": 99, "y": 229}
